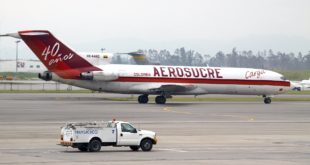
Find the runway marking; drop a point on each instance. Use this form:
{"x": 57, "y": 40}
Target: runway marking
{"x": 248, "y": 118}
{"x": 252, "y": 119}
{"x": 169, "y": 109}
{"x": 172, "y": 150}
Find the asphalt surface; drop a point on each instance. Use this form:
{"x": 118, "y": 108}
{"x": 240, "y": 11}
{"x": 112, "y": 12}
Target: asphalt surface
{"x": 233, "y": 133}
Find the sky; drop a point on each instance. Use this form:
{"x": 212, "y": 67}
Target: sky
{"x": 206, "y": 26}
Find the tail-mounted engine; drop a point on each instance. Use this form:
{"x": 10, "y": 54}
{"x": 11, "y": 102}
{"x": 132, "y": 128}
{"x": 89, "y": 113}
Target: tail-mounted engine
{"x": 46, "y": 75}
{"x": 99, "y": 75}
{"x": 87, "y": 76}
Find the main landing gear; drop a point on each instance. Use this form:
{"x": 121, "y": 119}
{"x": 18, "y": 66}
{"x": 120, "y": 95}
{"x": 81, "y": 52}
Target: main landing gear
{"x": 143, "y": 99}
{"x": 267, "y": 100}
{"x": 160, "y": 99}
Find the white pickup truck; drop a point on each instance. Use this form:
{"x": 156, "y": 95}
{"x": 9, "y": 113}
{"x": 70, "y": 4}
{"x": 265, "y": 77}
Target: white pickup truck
{"x": 91, "y": 136}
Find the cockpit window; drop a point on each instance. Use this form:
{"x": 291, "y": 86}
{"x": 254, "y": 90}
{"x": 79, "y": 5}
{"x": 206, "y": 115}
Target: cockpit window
{"x": 283, "y": 78}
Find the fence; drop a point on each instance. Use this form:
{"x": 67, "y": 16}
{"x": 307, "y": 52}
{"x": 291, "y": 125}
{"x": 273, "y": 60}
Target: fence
{"x": 35, "y": 85}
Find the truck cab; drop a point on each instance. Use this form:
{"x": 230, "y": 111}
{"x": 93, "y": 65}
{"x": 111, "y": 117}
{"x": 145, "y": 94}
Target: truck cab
{"x": 90, "y": 136}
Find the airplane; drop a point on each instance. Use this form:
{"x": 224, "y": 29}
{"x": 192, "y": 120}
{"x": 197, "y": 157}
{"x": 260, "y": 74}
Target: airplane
{"x": 300, "y": 85}
{"x": 102, "y": 58}
{"x": 305, "y": 83}
{"x": 66, "y": 66}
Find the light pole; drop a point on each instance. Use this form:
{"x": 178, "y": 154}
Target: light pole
{"x": 17, "y": 41}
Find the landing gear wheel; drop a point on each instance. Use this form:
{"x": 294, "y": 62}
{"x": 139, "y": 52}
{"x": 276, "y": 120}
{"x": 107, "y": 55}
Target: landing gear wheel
{"x": 134, "y": 148}
{"x": 146, "y": 145}
{"x": 143, "y": 99}
{"x": 267, "y": 100}
{"x": 94, "y": 146}
{"x": 160, "y": 99}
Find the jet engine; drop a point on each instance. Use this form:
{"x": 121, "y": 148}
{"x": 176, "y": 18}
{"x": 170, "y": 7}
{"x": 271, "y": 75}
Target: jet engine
{"x": 99, "y": 75}
{"x": 46, "y": 75}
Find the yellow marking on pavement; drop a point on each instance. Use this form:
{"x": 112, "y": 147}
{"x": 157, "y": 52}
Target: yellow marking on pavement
{"x": 252, "y": 119}
{"x": 166, "y": 109}
{"x": 248, "y": 118}
{"x": 171, "y": 149}
{"x": 169, "y": 109}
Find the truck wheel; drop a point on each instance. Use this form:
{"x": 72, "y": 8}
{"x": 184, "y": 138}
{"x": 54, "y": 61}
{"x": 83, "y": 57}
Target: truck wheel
{"x": 94, "y": 145}
{"x": 134, "y": 148}
{"x": 146, "y": 145}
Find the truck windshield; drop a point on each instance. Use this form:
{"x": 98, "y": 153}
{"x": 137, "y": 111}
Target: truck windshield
{"x": 127, "y": 127}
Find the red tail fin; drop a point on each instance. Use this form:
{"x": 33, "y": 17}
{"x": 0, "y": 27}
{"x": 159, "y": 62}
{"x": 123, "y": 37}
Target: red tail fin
{"x": 56, "y": 56}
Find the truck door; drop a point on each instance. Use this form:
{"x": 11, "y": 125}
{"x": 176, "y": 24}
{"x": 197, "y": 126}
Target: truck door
{"x": 127, "y": 135}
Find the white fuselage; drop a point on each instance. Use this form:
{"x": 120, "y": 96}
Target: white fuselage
{"x": 92, "y": 71}
{"x": 147, "y": 79}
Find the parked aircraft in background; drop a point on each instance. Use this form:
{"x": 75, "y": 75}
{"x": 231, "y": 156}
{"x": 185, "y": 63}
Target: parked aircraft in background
{"x": 301, "y": 85}
{"x": 103, "y": 58}
{"x": 305, "y": 83}
{"x": 295, "y": 86}
{"x": 66, "y": 66}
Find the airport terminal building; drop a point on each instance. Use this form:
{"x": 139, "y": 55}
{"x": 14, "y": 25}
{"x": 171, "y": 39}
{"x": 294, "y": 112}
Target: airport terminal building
{"x": 30, "y": 66}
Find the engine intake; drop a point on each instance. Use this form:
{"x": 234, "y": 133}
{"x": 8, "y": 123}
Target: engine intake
{"x": 46, "y": 75}
{"x": 87, "y": 76}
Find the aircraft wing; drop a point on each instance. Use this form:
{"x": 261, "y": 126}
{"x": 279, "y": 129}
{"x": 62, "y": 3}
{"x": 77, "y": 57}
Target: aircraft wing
{"x": 167, "y": 88}
{"x": 174, "y": 88}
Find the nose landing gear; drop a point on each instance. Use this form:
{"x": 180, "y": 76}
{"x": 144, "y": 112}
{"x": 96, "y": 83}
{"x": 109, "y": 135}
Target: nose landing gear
{"x": 267, "y": 100}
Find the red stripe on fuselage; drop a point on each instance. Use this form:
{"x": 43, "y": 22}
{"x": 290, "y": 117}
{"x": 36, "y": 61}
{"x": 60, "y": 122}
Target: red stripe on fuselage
{"x": 204, "y": 81}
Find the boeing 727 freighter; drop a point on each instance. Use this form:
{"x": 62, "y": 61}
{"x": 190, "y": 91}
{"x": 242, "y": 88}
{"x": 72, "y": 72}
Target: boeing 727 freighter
{"x": 66, "y": 66}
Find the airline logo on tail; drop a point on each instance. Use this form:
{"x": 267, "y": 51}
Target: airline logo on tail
{"x": 55, "y": 55}
{"x": 52, "y": 55}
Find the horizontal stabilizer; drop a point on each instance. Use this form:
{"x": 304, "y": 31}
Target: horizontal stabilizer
{"x": 140, "y": 58}
{"x": 14, "y": 35}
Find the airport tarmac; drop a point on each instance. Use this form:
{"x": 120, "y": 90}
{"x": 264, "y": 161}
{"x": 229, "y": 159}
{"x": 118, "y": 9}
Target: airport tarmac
{"x": 232, "y": 133}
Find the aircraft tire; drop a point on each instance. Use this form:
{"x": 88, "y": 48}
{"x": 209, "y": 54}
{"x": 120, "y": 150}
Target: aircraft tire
{"x": 160, "y": 99}
{"x": 267, "y": 100}
{"x": 143, "y": 99}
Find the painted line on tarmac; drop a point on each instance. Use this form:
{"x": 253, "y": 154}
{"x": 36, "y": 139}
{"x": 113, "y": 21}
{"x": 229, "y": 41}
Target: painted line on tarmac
{"x": 169, "y": 109}
{"x": 247, "y": 118}
{"x": 171, "y": 149}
